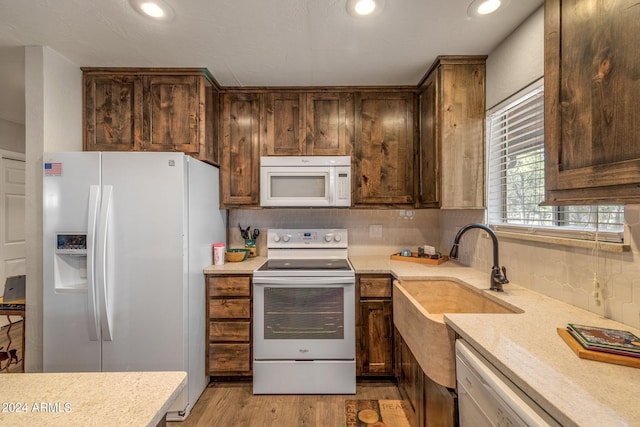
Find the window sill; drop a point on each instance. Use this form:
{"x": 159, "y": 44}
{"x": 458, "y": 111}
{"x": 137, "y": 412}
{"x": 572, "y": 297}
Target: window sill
{"x": 563, "y": 241}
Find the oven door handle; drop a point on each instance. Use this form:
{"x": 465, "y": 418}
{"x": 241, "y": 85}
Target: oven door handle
{"x": 305, "y": 281}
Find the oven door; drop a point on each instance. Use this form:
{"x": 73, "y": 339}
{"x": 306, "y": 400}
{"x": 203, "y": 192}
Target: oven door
{"x": 304, "y": 318}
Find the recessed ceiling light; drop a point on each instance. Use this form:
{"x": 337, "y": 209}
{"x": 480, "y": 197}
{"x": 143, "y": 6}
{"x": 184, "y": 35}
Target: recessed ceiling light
{"x": 479, "y": 8}
{"x": 156, "y": 9}
{"x": 364, "y": 7}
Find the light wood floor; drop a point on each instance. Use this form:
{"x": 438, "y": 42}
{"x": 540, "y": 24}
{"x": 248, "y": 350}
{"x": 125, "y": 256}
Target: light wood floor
{"x": 234, "y": 405}
{"x": 16, "y": 343}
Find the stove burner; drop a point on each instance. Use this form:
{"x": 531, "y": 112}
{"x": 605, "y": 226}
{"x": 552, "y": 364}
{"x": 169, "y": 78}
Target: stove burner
{"x": 305, "y": 264}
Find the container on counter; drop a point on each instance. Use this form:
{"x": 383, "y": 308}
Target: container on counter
{"x": 251, "y": 245}
{"x": 218, "y": 253}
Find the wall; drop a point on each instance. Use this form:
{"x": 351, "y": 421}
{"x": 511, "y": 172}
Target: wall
{"x": 12, "y": 100}
{"x": 53, "y": 122}
{"x": 11, "y": 136}
{"x": 518, "y": 61}
{"x": 562, "y": 272}
{"x": 398, "y": 232}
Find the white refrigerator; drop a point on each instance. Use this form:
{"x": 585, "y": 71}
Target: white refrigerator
{"x": 126, "y": 238}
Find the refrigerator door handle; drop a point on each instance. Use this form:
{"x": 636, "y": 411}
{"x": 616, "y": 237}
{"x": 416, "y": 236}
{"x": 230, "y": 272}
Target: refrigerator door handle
{"x": 92, "y": 317}
{"x": 106, "y": 320}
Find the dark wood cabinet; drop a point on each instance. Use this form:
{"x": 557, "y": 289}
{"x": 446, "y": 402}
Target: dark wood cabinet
{"x": 432, "y": 405}
{"x": 410, "y": 380}
{"x": 452, "y": 121}
{"x": 592, "y": 123}
{"x": 240, "y": 160}
{"x": 330, "y": 122}
{"x": 384, "y": 148}
{"x": 374, "y": 326}
{"x": 285, "y": 124}
{"x": 307, "y": 123}
{"x": 143, "y": 109}
{"x": 112, "y": 112}
{"x": 229, "y": 325}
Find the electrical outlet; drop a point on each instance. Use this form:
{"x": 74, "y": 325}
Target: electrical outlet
{"x": 375, "y": 231}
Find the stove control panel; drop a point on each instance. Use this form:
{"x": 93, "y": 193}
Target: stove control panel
{"x": 307, "y": 238}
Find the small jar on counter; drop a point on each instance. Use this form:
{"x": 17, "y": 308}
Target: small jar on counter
{"x": 218, "y": 253}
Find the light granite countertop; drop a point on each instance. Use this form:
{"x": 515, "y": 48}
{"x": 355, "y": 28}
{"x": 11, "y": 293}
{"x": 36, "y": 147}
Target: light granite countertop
{"x": 243, "y": 267}
{"x": 527, "y": 348}
{"x": 88, "y": 398}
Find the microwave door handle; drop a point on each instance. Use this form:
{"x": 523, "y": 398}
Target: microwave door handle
{"x": 332, "y": 186}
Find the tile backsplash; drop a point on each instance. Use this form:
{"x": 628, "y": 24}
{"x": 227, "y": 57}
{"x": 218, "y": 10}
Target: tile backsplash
{"x": 561, "y": 272}
{"x": 401, "y": 229}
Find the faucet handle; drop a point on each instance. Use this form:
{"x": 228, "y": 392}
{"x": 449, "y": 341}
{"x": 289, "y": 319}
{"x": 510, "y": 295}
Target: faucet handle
{"x": 504, "y": 275}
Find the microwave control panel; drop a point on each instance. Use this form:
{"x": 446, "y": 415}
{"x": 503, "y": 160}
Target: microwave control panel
{"x": 343, "y": 189}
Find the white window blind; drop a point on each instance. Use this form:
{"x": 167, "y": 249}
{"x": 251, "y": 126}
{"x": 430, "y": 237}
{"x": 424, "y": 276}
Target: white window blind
{"x": 515, "y": 133}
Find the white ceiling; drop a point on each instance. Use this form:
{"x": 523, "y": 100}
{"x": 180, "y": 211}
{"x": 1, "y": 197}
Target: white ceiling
{"x": 260, "y": 42}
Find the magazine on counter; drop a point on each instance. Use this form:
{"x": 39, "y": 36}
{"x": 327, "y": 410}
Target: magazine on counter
{"x": 603, "y": 339}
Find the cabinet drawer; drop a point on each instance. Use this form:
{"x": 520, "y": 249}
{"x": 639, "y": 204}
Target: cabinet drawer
{"x": 229, "y": 331}
{"x": 375, "y": 287}
{"x": 237, "y": 286}
{"x": 230, "y": 308}
{"x": 229, "y": 357}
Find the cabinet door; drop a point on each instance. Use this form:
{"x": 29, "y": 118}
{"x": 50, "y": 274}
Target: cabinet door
{"x": 410, "y": 380}
{"x": 240, "y": 167}
{"x": 376, "y": 346}
{"x": 112, "y": 112}
{"x": 461, "y": 123}
{"x": 329, "y": 124}
{"x": 440, "y": 405}
{"x": 284, "y": 117}
{"x": 429, "y": 155}
{"x": 384, "y": 148}
{"x": 592, "y": 123}
{"x": 210, "y": 152}
{"x": 172, "y": 109}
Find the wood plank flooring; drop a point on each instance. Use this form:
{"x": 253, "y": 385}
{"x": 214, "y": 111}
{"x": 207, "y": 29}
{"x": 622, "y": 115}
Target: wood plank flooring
{"x": 234, "y": 405}
{"x": 16, "y": 343}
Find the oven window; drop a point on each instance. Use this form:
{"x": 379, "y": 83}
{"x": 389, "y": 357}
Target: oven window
{"x": 298, "y": 186}
{"x": 303, "y": 313}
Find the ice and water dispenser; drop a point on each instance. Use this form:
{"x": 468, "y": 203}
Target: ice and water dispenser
{"x": 70, "y": 265}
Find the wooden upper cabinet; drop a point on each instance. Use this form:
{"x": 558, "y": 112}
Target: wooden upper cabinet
{"x": 307, "y": 124}
{"x": 171, "y": 109}
{"x": 330, "y": 123}
{"x": 592, "y": 88}
{"x": 452, "y": 123}
{"x": 284, "y": 123}
{"x": 384, "y": 148}
{"x": 151, "y": 109}
{"x": 240, "y": 160}
{"x": 428, "y": 153}
{"x": 112, "y": 112}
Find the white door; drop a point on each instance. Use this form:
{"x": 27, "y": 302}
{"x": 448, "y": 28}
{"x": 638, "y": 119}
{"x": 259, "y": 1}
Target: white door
{"x": 12, "y": 214}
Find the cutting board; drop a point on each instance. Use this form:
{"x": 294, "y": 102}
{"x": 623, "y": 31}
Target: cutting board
{"x": 415, "y": 258}
{"x": 600, "y": 356}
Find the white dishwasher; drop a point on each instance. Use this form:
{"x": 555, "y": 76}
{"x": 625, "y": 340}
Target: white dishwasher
{"x": 487, "y": 398}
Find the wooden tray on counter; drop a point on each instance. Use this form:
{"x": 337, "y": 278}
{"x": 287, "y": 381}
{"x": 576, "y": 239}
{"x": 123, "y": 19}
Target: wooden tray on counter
{"x": 415, "y": 258}
{"x": 600, "y": 356}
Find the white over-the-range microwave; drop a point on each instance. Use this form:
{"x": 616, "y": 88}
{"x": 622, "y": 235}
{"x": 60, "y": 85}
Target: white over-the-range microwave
{"x": 305, "y": 181}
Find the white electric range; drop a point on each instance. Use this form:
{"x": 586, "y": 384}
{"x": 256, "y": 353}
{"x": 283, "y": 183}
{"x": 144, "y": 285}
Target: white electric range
{"x": 304, "y": 314}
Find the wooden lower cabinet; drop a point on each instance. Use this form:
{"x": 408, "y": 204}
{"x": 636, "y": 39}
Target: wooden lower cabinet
{"x": 229, "y": 325}
{"x": 374, "y": 326}
{"x": 432, "y": 404}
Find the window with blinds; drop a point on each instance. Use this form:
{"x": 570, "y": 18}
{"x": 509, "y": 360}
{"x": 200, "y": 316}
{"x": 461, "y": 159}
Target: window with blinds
{"x": 515, "y": 135}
